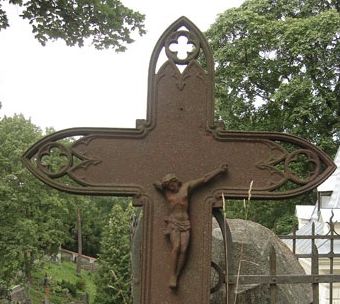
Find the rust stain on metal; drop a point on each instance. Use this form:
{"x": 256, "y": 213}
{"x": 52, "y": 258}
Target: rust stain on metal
{"x": 179, "y": 135}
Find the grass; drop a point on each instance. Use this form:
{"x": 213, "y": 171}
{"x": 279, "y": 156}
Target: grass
{"x": 63, "y": 283}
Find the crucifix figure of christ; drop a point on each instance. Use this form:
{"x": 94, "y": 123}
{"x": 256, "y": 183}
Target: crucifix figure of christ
{"x": 178, "y": 135}
{"x": 178, "y": 224}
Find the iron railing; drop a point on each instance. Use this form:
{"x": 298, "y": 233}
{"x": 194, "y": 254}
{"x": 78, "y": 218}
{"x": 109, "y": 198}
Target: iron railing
{"x": 327, "y": 241}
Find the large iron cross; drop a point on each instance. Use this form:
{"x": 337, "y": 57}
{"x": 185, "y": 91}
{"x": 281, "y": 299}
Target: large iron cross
{"x": 178, "y": 136}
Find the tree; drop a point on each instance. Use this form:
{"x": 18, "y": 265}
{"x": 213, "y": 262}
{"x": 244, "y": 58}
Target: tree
{"x": 95, "y": 212}
{"x": 31, "y": 215}
{"x": 108, "y": 23}
{"x": 277, "y": 69}
{"x": 80, "y": 241}
{"x": 113, "y": 279}
{"x": 278, "y": 216}
{"x": 278, "y": 66}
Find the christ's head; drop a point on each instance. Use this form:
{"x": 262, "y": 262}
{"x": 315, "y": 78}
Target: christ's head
{"x": 171, "y": 183}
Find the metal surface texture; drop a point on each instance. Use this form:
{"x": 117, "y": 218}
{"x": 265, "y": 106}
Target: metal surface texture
{"x": 179, "y": 135}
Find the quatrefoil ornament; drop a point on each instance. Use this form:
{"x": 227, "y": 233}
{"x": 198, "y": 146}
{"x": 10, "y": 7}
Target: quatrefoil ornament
{"x": 191, "y": 40}
{"x": 54, "y": 159}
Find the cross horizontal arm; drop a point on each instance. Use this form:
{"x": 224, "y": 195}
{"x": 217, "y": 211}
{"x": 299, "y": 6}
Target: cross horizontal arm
{"x": 114, "y": 161}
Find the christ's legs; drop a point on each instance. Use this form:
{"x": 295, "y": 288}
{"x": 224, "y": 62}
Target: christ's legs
{"x": 175, "y": 239}
{"x": 185, "y": 238}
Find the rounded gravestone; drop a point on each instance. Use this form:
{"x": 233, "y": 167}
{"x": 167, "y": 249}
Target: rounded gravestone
{"x": 252, "y": 244}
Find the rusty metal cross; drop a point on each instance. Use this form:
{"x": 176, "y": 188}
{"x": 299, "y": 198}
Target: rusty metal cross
{"x": 178, "y": 136}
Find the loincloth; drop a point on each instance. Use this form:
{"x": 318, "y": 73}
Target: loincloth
{"x": 176, "y": 225}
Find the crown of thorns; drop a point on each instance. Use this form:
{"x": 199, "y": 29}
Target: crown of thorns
{"x": 169, "y": 178}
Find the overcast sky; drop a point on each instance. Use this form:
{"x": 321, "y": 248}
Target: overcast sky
{"x": 63, "y": 87}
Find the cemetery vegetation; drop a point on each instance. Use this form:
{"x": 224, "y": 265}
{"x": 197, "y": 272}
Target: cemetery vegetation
{"x": 31, "y": 214}
{"x": 113, "y": 277}
{"x": 35, "y": 220}
{"x": 104, "y": 23}
{"x": 277, "y": 69}
{"x": 64, "y": 285}
{"x": 95, "y": 212}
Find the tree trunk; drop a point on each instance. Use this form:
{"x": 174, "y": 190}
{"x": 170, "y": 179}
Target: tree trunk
{"x": 28, "y": 263}
{"x": 80, "y": 244}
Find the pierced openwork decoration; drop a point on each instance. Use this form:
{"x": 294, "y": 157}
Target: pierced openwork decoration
{"x": 302, "y": 162}
{"x": 54, "y": 159}
{"x": 300, "y": 167}
{"x": 182, "y": 44}
{"x": 191, "y": 40}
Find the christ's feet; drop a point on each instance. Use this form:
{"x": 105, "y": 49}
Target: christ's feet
{"x": 173, "y": 282}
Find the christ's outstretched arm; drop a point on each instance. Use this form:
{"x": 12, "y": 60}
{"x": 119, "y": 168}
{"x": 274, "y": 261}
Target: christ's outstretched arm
{"x": 206, "y": 178}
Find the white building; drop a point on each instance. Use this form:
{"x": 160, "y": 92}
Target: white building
{"x": 326, "y": 209}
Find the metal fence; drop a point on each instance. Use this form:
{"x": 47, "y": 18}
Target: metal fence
{"x": 329, "y": 242}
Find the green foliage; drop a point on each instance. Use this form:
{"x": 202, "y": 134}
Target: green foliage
{"x": 81, "y": 285}
{"x": 95, "y": 212}
{"x": 108, "y": 23}
{"x": 31, "y": 215}
{"x": 277, "y": 68}
{"x": 285, "y": 224}
{"x": 113, "y": 278}
{"x": 64, "y": 285}
{"x": 276, "y": 215}
{"x": 72, "y": 288}
{"x": 34, "y": 219}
